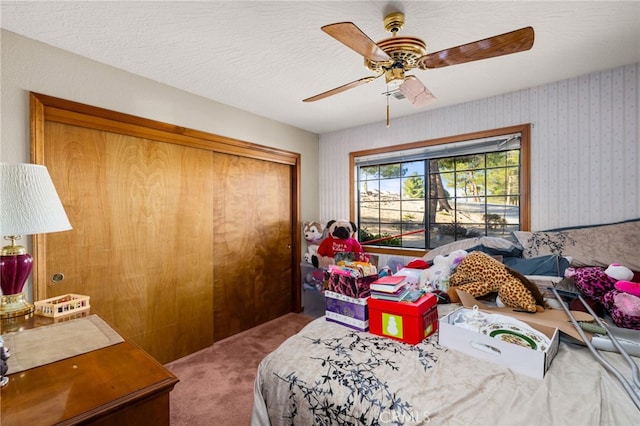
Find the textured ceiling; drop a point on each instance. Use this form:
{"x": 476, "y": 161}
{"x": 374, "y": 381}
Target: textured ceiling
{"x": 266, "y": 56}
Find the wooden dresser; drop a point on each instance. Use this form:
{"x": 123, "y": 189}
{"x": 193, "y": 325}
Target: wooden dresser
{"x": 116, "y": 385}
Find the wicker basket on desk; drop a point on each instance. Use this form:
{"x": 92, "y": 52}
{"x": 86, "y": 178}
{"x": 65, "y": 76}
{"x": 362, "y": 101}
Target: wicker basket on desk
{"x": 62, "y": 305}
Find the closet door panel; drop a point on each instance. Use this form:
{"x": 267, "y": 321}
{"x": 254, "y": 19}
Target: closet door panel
{"x": 141, "y": 247}
{"x": 252, "y": 243}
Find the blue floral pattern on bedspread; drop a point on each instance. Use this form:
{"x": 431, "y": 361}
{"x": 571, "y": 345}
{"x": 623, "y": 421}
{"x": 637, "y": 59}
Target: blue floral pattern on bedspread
{"x": 350, "y": 364}
{"x": 328, "y": 374}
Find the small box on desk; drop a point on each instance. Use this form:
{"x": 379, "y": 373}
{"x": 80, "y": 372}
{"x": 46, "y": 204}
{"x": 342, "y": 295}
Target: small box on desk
{"x": 349, "y": 311}
{"x": 408, "y": 322}
{"x": 351, "y": 286}
{"x": 62, "y": 305}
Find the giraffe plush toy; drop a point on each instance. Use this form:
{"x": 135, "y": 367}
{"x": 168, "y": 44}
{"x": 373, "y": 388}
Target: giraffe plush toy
{"x": 479, "y": 274}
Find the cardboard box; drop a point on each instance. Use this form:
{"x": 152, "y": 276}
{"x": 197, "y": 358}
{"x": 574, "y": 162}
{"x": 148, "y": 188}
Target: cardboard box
{"x": 357, "y": 288}
{"x": 520, "y": 359}
{"x": 555, "y": 318}
{"x": 349, "y": 311}
{"x": 408, "y": 322}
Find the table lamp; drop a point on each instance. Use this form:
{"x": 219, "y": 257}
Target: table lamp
{"x": 29, "y": 204}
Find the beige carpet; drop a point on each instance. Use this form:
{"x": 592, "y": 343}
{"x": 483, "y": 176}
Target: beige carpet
{"x": 216, "y": 383}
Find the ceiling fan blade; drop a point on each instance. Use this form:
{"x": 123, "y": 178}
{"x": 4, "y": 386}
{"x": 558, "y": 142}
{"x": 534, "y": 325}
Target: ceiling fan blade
{"x": 351, "y": 36}
{"x": 341, "y": 89}
{"x": 503, "y": 44}
{"x": 416, "y": 92}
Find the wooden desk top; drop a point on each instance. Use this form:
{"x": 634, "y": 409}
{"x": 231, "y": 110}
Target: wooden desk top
{"x": 81, "y": 388}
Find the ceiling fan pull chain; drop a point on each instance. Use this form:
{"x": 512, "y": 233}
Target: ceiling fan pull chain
{"x": 388, "y": 119}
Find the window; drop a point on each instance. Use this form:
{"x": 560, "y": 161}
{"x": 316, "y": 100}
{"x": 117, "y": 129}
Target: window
{"x": 423, "y": 195}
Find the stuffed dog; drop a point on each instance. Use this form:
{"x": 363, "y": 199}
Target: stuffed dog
{"x": 339, "y": 239}
{"x": 314, "y": 233}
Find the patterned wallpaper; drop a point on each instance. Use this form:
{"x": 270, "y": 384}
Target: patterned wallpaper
{"x": 585, "y": 146}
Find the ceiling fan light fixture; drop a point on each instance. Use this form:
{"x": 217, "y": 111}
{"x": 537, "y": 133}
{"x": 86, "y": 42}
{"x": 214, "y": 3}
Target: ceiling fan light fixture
{"x": 394, "y": 77}
{"x": 416, "y": 92}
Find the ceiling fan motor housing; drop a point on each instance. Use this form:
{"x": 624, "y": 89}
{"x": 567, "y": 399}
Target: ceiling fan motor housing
{"x": 404, "y": 53}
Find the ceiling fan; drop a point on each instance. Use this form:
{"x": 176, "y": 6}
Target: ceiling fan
{"x": 393, "y": 57}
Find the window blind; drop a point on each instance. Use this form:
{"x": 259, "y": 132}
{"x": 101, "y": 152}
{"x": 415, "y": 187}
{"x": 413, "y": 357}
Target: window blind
{"x": 493, "y": 144}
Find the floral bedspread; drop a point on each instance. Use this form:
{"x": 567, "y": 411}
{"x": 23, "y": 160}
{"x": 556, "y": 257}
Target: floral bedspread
{"x": 329, "y": 374}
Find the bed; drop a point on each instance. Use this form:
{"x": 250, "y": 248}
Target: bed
{"x": 328, "y": 374}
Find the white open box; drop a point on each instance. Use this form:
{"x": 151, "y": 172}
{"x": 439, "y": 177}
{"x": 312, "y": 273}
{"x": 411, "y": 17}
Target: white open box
{"x": 533, "y": 363}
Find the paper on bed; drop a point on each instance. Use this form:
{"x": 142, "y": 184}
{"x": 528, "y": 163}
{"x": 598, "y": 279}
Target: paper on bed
{"x": 550, "y": 317}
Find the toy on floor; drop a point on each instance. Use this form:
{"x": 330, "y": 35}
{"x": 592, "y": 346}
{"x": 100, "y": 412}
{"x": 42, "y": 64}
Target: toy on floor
{"x": 314, "y": 233}
{"x": 612, "y": 289}
{"x": 480, "y": 274}
{"x": 340, "y": 238}
{"x": 315, "y": 279}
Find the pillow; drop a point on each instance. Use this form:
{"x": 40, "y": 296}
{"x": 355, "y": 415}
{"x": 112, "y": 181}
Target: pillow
{"x": 497, "y": 253}
{"x": 599, "y": 245}
{"x": 548, "y": 265}
{"x": 496, "y": 243}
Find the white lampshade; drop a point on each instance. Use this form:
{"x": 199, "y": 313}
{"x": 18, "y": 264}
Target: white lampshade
{"x": 29, "y": 203}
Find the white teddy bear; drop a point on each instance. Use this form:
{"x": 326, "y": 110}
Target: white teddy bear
{"x": 437, "y": 275}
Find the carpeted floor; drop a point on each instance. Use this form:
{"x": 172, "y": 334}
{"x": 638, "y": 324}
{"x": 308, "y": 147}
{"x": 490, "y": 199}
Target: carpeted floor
{"x": 216, "y": 383}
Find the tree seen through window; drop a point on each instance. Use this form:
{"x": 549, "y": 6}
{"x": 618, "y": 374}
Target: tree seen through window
{"x": 427, "y": 202}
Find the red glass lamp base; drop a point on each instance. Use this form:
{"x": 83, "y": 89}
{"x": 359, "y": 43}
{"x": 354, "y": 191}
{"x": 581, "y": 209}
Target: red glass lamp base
{"x": 14, "y": 271}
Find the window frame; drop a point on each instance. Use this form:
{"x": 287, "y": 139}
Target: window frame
{"x": 525, "y": 175}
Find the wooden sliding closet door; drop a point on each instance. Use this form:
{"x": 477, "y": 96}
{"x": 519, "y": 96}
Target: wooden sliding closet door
{"x": 141, "y": 244}
{"x": 252, "y": 243}
{"x": 180, "y": 237}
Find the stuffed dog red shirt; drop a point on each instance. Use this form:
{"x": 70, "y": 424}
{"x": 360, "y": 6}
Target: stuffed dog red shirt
{"x": 330, "y": 246}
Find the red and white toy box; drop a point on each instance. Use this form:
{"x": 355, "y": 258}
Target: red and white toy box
{"x": 408, "y": 322}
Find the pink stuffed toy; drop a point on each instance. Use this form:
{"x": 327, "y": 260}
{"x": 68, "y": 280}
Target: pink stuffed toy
{"x": 628, "y": 287}
{"x": 619, "y": 272}
{"x": 612, "y": 288}
{"x": 624, "y": 309}
{"x": 592, "y": 281}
